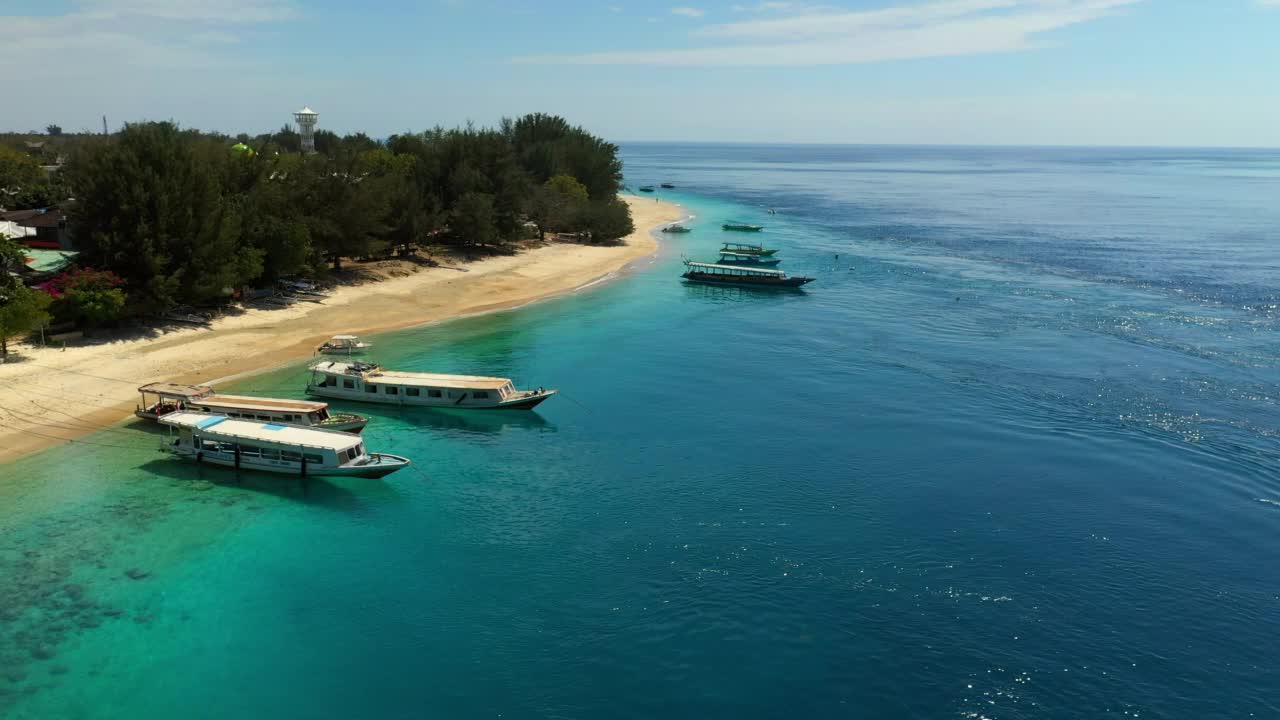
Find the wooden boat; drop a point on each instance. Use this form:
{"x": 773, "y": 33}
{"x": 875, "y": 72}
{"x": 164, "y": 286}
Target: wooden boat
{"x": 646, "y": 188}
{"x": 716, "y": 274}
{"x": 747, "y": 259}
{"x": 367, "y": 382}
{"x": 272, "y": 447}
{"x": 747, "y": 249}
{"x": 668, "y": 186}
{"x": 343, "y": 345}
{"x": 676, "y": 228}
{"x": 170, "y": 398}
{"x": 742, "y": 227}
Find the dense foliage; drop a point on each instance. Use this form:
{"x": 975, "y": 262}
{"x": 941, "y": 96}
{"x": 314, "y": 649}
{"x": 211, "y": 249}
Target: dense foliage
{"x": 181, "y": 217}
{"x": 21, "y": 308}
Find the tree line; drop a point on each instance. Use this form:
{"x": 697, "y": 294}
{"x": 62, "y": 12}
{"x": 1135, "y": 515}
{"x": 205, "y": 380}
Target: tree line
{"x": 180, "y": 216}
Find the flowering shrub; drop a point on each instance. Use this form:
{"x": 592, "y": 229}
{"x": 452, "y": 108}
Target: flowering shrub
{"x": 87, "y": 296}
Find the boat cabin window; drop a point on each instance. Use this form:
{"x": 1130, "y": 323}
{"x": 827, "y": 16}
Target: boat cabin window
{"x": 433, "y": 393}
{"x": 371, "y": 388}
{"x": 480, "y": 394}
{"x": 249, "y": 451}
{"x": 313, "y": 459}
{"x": 290, "y": 456}
{"x": 349, "y": 384}
{"x": 411, "y": 392}
{"x": 393, "y": 390}
{"x": 322, "y": 414}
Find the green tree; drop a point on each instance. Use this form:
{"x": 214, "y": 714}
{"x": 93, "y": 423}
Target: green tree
{"x": 472, "y": 221}
{"x": 557, "y": 204}
{"x": 21, "y": 308}
{"x": 607, "y": 220}
{"x": 151, "y": 207}
{"x": 21, "y": 311}
{"x": 18, "y": 171}
{"x": 54, "y": 130}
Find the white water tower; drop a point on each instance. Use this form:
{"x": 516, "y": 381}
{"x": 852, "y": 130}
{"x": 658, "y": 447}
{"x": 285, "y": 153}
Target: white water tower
{"x": 306, "y": 118}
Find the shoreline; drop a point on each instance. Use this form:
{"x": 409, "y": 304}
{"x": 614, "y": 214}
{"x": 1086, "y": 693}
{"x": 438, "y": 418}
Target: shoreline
{"x": 94, "y": 386}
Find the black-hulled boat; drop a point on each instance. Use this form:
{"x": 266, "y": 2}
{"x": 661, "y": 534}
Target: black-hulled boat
{"x": 668, "y": 186}
{"x": 718, "y": 274}
{"x": 676, "y": 228}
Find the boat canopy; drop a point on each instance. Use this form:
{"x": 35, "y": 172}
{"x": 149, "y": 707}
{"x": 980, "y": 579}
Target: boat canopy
{"x": 174, "y": 390}
{"x": 240, "y": 402}
{"x": 253, "y": 431}
{"x": 374, "y": 373}
{"x": 734, "y": 269}
{"x": 344, "y": 337}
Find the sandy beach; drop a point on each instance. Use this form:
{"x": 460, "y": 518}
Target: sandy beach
{"x": 52, "y": 396}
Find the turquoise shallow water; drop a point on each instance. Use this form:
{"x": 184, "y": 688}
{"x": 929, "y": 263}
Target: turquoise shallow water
{"x": 1014, "y": 455}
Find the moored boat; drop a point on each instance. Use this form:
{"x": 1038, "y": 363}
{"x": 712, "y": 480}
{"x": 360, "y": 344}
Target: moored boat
{"x": 742, "y": 227}
{"x": 668, "y": 186}
{"x": 368, "y": 382}
{"x": 646, "y": 188}
{"x": 343, "y": 345}
{"x": 171, "y": 398}
{"x": 747, "y": 249}
{"x": 676, "y": 228}
{"x": 271, "y": 447}
{"x": 747, "y": 259}
{"x": 717, "y": 274}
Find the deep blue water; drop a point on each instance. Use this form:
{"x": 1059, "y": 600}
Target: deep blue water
{"x": 1013, "y": 455}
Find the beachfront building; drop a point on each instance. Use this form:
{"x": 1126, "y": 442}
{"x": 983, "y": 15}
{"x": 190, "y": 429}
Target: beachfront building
{"x": 307, "y": 118}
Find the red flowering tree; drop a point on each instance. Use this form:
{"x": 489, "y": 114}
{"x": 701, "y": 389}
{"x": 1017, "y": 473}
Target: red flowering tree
{"x": 86, "y": 296}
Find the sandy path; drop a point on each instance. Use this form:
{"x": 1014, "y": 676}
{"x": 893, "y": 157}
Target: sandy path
{"x": 54, "y": 396}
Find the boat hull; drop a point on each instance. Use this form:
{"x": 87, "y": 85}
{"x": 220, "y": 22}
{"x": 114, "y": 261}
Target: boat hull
{"x": 747, "y": 280}
{"x": 526, "y": 402}
{"x": 384, "y": 465}
{"x": 743, "y": 228}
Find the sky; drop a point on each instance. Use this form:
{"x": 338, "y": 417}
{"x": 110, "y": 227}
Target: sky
{"x": 1029, "y": 72}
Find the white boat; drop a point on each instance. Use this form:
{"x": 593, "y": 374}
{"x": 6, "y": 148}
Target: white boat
{"x": 273, "y": 447}
{"x": 343, "y": 345}
{"x": 368, "y": 382}
{"x": 171, "y": 397}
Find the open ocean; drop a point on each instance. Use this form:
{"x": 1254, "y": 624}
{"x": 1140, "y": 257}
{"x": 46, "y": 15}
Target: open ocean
{"x": 1015, "y": 454}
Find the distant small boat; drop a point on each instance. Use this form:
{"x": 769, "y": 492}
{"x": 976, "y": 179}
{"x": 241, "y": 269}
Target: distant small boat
{"x": 719, "y": 274}
{"x": 747, "y": 259}
{"x": 742, "y": 227}
{"x": 668, "y": 185}
{"x": 747, "y": 249}
{"x": 343, "y": 345}
{"x": 646, "y": 188}
{"x": 271, "y": 447}
{"x": 676, "y": 228}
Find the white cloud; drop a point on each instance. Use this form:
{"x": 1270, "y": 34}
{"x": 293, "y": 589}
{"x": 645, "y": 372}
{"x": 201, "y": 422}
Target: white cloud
{"x": 1267, "y": 3}
{"x": 831, "y": 37}
{"x": 688, "y": 12}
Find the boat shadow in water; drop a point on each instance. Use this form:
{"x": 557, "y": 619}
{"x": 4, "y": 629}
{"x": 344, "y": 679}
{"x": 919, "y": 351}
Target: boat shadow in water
{"x": 738, "y": 293}
{"x": 468, "y": 422}
{"x": 318, "y": 491}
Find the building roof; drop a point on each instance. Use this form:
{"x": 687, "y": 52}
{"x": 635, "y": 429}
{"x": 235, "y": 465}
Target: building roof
{"x": 306, "y": 111}
{"x": 436, "y": 380}
{"x": 11, "y": 229}
{"x": 223, "y": 427}
{"x": 47, "y": 261}
{"x": 243, "y": 402}
{"x": 185, "y": 392}
{"x": 34, "y": 218}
